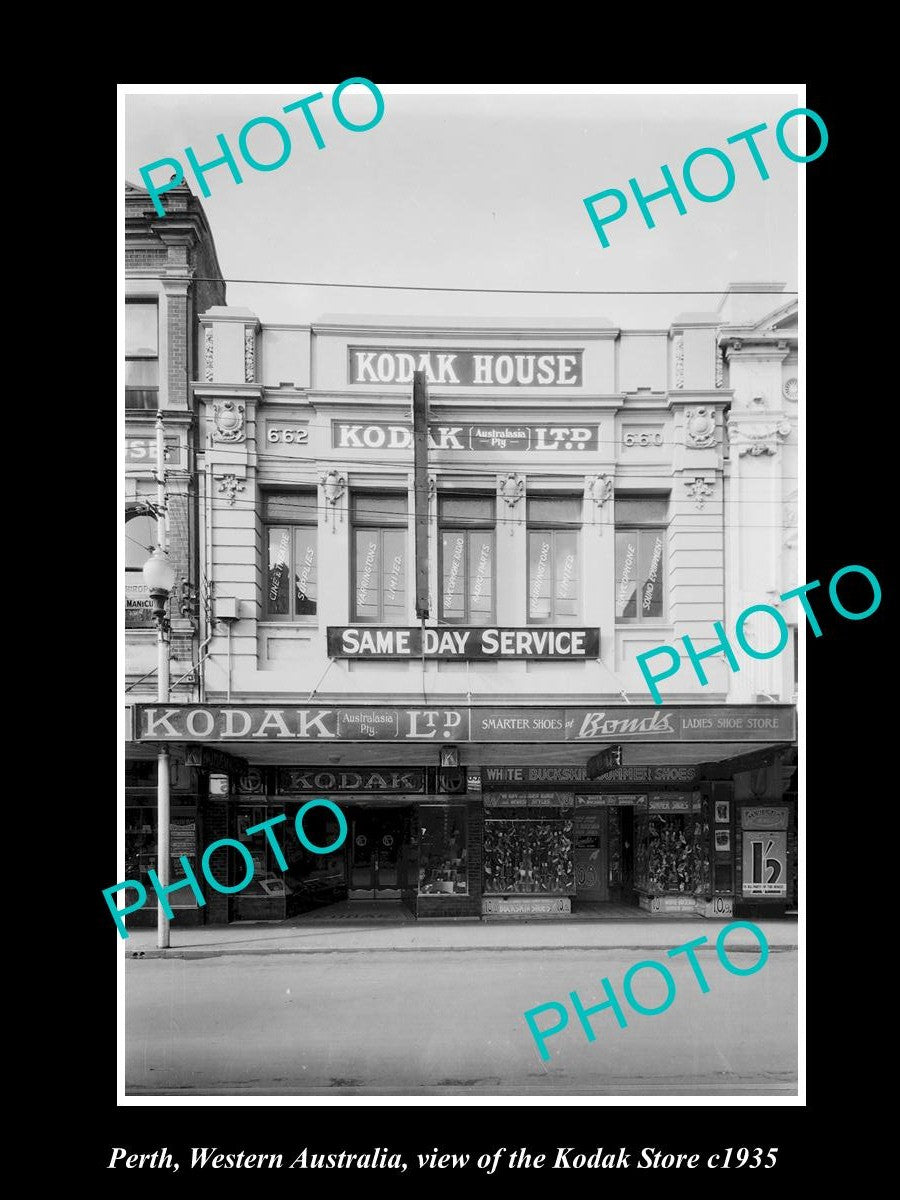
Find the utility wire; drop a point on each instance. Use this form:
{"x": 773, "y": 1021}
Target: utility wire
{"x": 415, "y": 287}
{"x": 475, "y": 523}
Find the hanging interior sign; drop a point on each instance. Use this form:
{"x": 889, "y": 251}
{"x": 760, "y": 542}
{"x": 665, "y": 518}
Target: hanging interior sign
{"x": 527, "y": 800}
{"x": 364, "y": 779}
{"x": 608, "y": 800}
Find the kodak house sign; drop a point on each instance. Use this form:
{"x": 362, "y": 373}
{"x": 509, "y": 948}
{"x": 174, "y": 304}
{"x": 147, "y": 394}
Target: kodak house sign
{"x": 483, "y": 368}
{"x": 423, "y": 723}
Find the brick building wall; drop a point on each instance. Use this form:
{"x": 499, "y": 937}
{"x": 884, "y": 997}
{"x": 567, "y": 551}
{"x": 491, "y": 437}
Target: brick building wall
{"x": 163, "y": 257}
{"x": 215, "y": 826}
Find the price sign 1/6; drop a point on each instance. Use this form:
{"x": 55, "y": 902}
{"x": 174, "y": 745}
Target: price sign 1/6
{"x": 286, "y": 433}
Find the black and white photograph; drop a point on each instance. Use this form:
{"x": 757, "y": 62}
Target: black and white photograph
{"x": 461, "y": 547}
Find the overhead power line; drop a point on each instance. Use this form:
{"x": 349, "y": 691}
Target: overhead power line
{"x": 415, "y": 287}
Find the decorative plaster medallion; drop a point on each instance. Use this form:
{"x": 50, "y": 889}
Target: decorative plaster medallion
{"x": 334, "y": 484}
{"x": 510, "y": 489}
{"x": 598, "y": 488}
{"x": 757, "y": 437}
{"x": 700, "y": 490}
{"x": 229, "y": 418}
{"x": 229, "y": 486}
{"x": 790, "y": 390}
{"x": 700, "y": 426}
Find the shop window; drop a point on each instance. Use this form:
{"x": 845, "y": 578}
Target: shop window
{"x": 380, "y": 539}
{"x": 142, "y": 354}
{"x": 291, "y": 547}
{"x": 268, "y": 880}
{"x": 641, "y": 557}
{"x": 442, "y": 851}
{"x": 529, "y": 854}
{"x": 140, "y": 541}
{"x": 313, "y": 879}
{"x": 467, "y": 559}
{"x": 554, "y": 576}
{"x": 671, "y": 853}
{"x": 141, "y": 850}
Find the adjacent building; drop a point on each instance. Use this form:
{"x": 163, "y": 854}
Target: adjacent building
{"x": 171, "y": 275}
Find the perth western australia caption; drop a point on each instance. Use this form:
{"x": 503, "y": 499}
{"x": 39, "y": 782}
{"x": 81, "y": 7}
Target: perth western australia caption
{"x": 566, "y": 1159}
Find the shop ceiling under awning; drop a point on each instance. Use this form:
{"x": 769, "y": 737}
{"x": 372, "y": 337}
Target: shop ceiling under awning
{"x": 472, "y": 754}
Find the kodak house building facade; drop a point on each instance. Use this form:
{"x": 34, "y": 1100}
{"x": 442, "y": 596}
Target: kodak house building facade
{"x": 593, "y": 492}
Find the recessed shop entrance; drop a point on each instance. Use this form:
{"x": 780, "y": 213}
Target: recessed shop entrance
{"x": 376, "y": 844}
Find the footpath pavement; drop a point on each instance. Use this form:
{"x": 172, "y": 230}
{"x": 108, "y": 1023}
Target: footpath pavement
{"x": 213, "y": 941}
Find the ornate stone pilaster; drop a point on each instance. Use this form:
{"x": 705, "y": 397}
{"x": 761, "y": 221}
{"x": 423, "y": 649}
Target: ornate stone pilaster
{"x": 249, "y": 354}
{"x": 208, "y": 354}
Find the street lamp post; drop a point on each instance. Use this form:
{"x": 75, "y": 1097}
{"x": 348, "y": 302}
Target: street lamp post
{"x": 159, "y": 577}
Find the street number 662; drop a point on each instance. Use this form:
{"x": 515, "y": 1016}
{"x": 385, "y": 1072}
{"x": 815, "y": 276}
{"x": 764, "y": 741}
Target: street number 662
{"x": 297, "y": 436}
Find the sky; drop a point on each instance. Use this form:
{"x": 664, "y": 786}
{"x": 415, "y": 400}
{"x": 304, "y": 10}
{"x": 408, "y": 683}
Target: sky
{"x": 481, "y": 191}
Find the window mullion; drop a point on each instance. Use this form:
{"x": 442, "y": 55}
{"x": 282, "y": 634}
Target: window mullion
{"x": 381, "y": 534}
{"x": 467, "y": 598}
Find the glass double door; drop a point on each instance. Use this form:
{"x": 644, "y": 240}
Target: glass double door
{"x": 376, "y": 840}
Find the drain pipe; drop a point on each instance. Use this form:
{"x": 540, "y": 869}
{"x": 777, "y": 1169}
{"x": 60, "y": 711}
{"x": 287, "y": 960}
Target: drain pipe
{"x": 228, "y": 692}
{"x": 206, "y": 499}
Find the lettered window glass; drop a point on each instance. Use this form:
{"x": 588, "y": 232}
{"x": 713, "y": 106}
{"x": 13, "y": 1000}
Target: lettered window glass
{"x": 140, "y": 542}
{"x": 467, "y": 559}
{"x": 641, "y": 557}
{"x": 291, "y": 549}
{"x": 554, "y": 572}
{"x": 141, "y": 354}
{"x": 378, "y": 583}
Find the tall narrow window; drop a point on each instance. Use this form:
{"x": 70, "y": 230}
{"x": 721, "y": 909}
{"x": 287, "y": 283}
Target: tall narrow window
{"x": 141, "y": 354}
{"x": 554, "y": 574}
{"x": 291, "y": 548}
{"x": 379, "y": 557}
{"x": 140, "y": 542}
{"x": 467, "y": 559}
{"x": 641, "y": 557}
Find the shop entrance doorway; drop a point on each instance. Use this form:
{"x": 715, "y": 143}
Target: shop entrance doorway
{"x": 591, "y": 853}
{"x": 603, "y": 853}
{"x": 376, "y": 840}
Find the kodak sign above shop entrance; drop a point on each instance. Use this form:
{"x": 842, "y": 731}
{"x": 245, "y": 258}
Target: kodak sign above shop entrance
{"x": 423, "y": 722}
{"x": 468, "y": 368}
{"x": 462, "y": 642}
